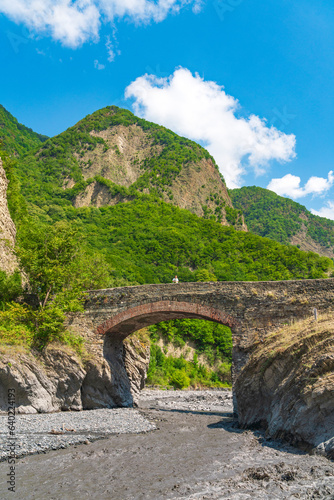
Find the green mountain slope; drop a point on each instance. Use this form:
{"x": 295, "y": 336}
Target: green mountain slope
{"x": 284, "y": 220}
{"x": 117, "y": 179}
{"x": 114, "y": 145}
{"x": 15, "y": 138}
{"x": 147, "y": 241}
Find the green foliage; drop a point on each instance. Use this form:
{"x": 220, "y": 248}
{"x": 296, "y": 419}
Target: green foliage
{"x": 16, "y": 325}
{"x": 205, "y": 275}
{"x": 17, "y": 139}
{"x": 58, "y": 272}
{"x": 278, "y": 218}
{"x": 149, "y": 241}
{"x": 22, "y": 325}
{"x": 10, "y": 287}
{"x": 169, "y": 371}
{"x": 211, "y": 338}
{"x": 56, "y": 267}
{"x": 66, "y": 250}
{"x": 233, "y": 215}
{"x": 49, "y": 326}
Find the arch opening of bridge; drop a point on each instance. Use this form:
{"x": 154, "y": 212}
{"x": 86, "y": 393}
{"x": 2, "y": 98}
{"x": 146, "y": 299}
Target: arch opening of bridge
{"x": 135, "y": 318}
{"x": 120, "y": 326}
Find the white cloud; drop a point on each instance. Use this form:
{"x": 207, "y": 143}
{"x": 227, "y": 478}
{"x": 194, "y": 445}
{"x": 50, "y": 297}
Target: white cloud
{"x": 67, "y": 22}
{"x": 73, "y": 22}
{"x": 289, "y": 185}
{"x": 202, "y": 111}
{"x": 110, "y": 50}
{"x": 327, "y": 211}
{"x": 98, "y": 66}
{"x": 197, "y": 7}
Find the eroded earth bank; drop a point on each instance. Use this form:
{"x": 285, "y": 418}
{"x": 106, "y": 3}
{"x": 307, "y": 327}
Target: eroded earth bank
{"x": 195, "y": 452}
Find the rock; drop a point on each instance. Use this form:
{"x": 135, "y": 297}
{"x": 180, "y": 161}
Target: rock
{"x": 329, "y": 448}
{"x": 50, "y": 382}
{"x": 33, "y": 389}
{"x": 192, "y": 188}
{"x": 56, "y": 379}
{"x": 287, "y": 386}
{"x": 117, "y": 378}
{"x": 8, "y": 262}
{"x": 107, "y": 384}
{"x": 136, "y": 356}
{"x": 116, "y": 371}
{"x": 66, "y": 373}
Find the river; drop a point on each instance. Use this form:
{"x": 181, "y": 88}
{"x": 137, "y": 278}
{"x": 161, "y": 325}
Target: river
{"x": 196, "y": 452}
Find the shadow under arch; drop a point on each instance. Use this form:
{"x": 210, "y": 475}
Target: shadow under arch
{"x": 129, "y": 321}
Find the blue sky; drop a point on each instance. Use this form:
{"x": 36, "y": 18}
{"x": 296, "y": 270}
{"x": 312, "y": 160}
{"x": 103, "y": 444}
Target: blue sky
{"x": 252, "y": 80}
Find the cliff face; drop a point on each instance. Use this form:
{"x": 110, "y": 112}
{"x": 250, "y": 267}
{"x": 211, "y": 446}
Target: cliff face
{"x": 287, "y": 386}
{"x": 58, "y": 380}
{"x": 49, "y": 382}
{"x": 198, "y": 187}
{"x": 8, "y": 261}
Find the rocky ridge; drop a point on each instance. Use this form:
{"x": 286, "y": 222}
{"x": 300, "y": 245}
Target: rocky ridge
{"x": 8, "y": 261}
{"x": 112, "y": 156}
{"x": 287, "y": 386}
{"x": 198, "y": 188}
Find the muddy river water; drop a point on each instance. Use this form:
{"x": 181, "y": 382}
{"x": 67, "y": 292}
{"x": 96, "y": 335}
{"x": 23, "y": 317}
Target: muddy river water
{"x": 196, "y": 452}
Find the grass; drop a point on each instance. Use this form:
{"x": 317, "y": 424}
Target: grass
{"x": 304, "y": 337}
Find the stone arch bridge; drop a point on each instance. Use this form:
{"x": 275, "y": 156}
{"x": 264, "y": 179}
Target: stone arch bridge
{"x": 251, "y": 309}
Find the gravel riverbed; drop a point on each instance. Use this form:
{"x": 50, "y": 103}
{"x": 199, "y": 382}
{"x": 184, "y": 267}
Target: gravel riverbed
{"x": 195, "y": 451}
{"x": 39, "y": 433}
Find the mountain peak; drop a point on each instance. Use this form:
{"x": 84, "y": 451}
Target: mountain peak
{"x": 114, "y": 146}
{"x": 15, "y": 138}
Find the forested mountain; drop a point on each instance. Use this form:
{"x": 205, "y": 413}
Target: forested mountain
{"x": 284, "y": 220}
{"x": 15, "y": 138}
{"x": 146, "y": 240}
{"x": 102, "y": 205}
{"x": 112, "y": 155}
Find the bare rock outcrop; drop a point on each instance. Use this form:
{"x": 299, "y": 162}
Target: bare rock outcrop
{"x": 136, "y": 356}
{"x": 198, "y": 187}
{"x": 45, "y": 383}
{"x": 57, "y": 379}
{"x": 116, "y": 378}
{"x": 287, "y": 386}
{"x": 107, "y": 384}
{"x": 8, "y": 261}
{"x": 116, "y": 372}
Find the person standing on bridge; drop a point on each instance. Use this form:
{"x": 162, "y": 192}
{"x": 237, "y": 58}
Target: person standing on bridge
{"x": 175, "y": 279}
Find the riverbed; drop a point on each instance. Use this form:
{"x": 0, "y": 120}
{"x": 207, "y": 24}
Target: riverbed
{"x": 195, "y": 451}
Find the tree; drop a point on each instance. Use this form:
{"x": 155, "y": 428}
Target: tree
{"x": 205, "y": 275}
{"x": 58, "y": 271}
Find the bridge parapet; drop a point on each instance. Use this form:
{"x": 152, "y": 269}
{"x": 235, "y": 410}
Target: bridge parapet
{"x": 245, "y": 306}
